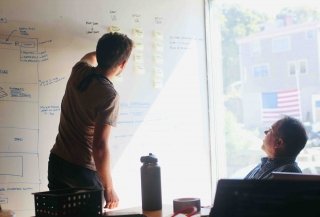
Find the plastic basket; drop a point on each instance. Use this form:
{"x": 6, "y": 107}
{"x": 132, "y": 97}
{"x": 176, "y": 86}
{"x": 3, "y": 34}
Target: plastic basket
{"x": 75, "y": 202}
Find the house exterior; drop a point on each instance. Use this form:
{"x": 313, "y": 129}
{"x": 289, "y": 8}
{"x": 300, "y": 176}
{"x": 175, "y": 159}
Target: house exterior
{"x": 280, "y": 74}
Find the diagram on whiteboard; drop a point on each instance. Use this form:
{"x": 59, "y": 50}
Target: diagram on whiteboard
{"x": 19, "y": 120}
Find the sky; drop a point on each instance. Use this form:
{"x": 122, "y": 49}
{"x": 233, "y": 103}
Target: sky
{"x": 271, "y": 7}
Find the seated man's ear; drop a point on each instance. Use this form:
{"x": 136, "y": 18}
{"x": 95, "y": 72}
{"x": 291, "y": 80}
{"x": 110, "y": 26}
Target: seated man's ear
{"x": 279, "y": 143}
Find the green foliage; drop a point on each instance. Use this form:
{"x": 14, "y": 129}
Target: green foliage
{"x": 242, "y": 145}
{"x": 237, "y": 23}
{"x": 299, "y": 15}
{"x": 237, "y": 137}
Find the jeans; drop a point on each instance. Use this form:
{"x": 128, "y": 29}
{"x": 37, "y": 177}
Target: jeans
{"x": 62, "y": 175}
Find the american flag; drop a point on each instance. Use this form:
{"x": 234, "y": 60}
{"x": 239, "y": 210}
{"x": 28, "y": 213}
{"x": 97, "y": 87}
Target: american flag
{"x": 277, "y": 104}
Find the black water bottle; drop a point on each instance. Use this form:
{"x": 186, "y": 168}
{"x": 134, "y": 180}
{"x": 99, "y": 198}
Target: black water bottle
{"x": 150, "y": 183}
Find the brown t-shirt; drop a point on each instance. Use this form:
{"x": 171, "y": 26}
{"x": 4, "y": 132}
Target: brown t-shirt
{"x": 80, "y": 111}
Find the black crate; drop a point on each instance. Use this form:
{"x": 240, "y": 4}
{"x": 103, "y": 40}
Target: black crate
{"x": 74, "y": 202}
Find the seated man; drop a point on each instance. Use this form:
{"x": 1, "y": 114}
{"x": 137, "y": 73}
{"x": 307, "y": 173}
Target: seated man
{"x": 282, "y": 144}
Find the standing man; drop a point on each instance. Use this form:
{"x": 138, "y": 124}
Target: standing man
{"x": 282, "y": 143}
{"x": 80, "y": 156}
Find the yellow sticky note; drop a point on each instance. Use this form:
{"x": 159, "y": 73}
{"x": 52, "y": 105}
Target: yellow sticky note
{"x": 158, "y": 72}
{"x": 158, "y": 35}
{"x": 137, "y": 32}
{"x": 158, "y": 59}
{"x": 138, "y": 57}
{"x": 157, "y": 84}
{"x": 138, "y": 46}
{"x": 158, "y": 47}
{"x": 139, "y": 69}
{"x": 114, "y": 29}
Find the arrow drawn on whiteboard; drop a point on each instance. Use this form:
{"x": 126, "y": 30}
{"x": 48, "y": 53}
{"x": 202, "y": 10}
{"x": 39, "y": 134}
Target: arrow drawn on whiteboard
{"x": 10, "y": 34}
{"x": 2, "y": 93}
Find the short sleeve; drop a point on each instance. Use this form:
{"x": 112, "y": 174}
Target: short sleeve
{"x": 109, "y": 112}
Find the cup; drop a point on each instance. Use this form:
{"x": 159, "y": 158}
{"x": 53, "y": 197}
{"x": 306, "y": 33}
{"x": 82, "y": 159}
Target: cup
{"x": 188, "y": 205}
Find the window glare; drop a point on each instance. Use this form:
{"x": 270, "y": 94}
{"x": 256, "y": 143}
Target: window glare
{"x": 270, "y": 53}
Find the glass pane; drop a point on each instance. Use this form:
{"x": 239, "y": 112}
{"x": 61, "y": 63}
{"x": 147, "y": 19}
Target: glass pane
{"x": 303, "y": 67}
{"x": 260, "y": 71}
{"x": 292, "y": 68}
{"x": 270, "y": 68}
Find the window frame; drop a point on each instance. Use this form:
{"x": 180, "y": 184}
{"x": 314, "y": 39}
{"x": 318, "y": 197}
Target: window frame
{"x": 297, "y": 67}
{"x": 267, "y": 66}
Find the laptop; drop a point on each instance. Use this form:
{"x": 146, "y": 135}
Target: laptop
{"x": 294, "y": 176}
{"x": 266, "y": 198}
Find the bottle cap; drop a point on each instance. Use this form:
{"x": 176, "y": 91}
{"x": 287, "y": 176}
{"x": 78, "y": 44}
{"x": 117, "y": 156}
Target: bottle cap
{"x": 151, "y": 158}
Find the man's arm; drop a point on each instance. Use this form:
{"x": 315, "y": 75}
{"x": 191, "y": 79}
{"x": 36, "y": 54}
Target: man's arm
{"x": 101, "y": 155}
{"x": 90, "y": 58}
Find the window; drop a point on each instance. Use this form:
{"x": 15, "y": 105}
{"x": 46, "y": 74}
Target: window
{"x": 257, "y": 37}
{"x": 310, "y": 34}
{"x": 260, "y": 71}
{"x": 292, "y": 68}
{"x": 303, "y": 66}
{"x": 299, "y": 66}
{"x": 280, "y": 44}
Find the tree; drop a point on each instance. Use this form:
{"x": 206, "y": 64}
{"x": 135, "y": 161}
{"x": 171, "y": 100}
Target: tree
{"x": 298, "y": 15}
{"x": 237, "y": 22}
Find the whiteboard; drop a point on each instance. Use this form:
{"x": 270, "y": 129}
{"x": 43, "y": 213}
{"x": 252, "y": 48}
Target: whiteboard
{"x": 163, "y": 92}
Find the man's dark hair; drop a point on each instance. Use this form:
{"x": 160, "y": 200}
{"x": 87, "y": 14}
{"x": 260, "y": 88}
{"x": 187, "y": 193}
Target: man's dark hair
{"x": 113, "y": 49}
{"x": 294, "y": 135}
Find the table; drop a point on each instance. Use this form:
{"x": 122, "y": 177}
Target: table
{"x": 167, "y": 211}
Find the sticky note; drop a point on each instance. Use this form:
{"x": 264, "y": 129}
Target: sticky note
{"x": 138, "y": 58}
{"x": 114, "y": 29}
{"x": 157, "y": 84}
{"x": 158, "y": 35}
{"x": 158, "y": 47}
{"x": 138, "y": 46}
{"x": 139, "y": 69}
{"x": 137, "y": 33}
{"x": 158, "y": 71}
{"x": 158, "y": 59}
